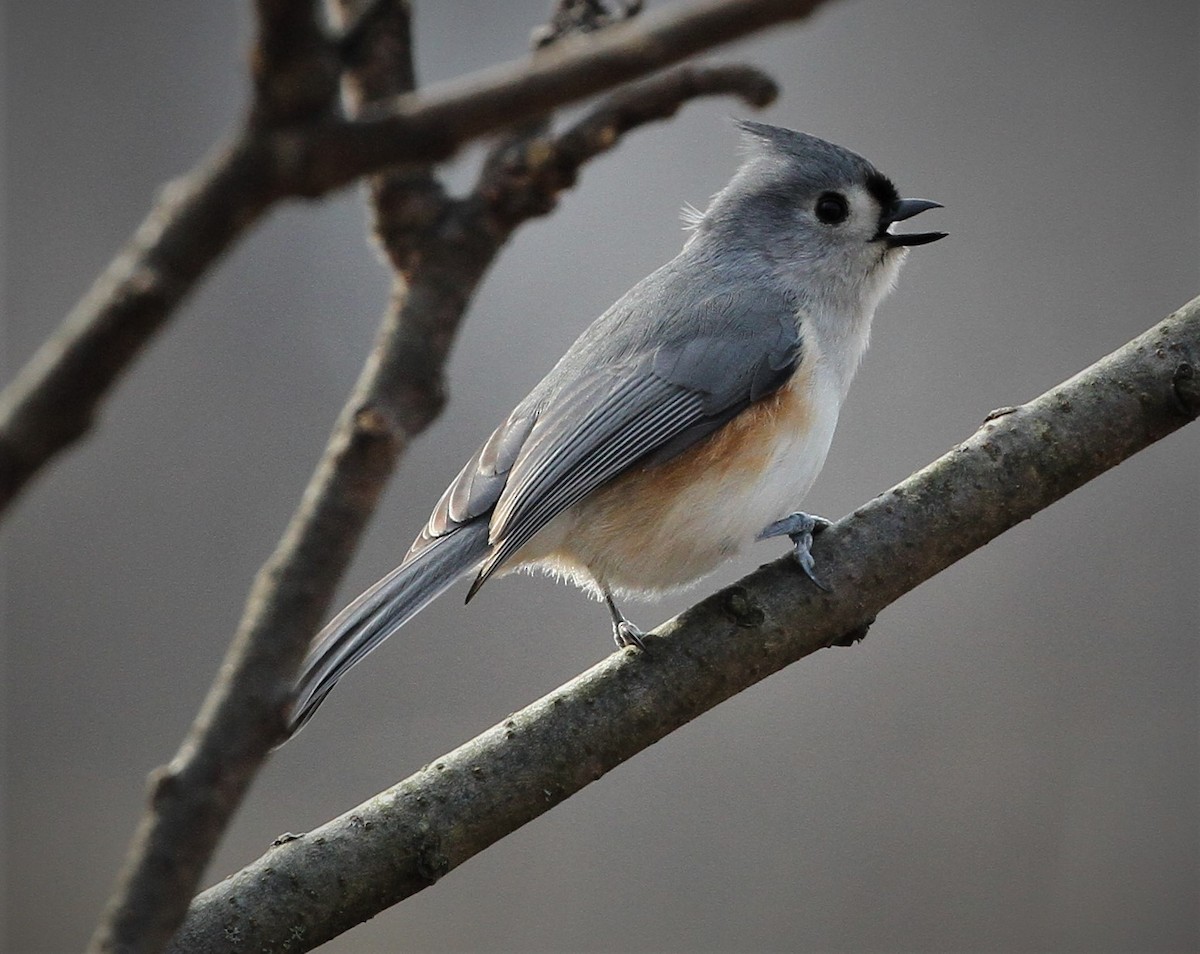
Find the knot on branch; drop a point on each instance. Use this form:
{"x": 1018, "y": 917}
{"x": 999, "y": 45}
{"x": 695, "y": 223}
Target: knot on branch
{"x": 294, "y": 65}
{"x": 523, "y": 180}
{"x": 431, "y": 862}
{"x": 1186, "y": 388}
{"x": 163, "y": 784}
{"x": 856, "y": 635}
{"x": 408, "y": 212}
{"x": 377, "y": 430}
{"x": 741, "y": 609}
{"x": 580, "y": 16}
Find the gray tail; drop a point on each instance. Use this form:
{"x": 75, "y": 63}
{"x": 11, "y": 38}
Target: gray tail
{"x": 382, "y": 610}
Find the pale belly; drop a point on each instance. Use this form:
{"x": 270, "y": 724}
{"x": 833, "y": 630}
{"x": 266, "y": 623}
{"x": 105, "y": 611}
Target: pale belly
{"x": 664, "y": 527}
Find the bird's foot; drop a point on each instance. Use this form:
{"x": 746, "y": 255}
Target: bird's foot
{"x": 800, "y": 528}
{"x": 627, "y": 634}
{"x": 624, "y": 632}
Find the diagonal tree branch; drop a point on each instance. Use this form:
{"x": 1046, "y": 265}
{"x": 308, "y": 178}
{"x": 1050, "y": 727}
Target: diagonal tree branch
{"x": 296, "y": 144}
{"x": 310, "y": 888}
{"x": 522, "y": 179}
{"x": 431, "y": 125}
{"x": 294, "y": 66}
{"x": 440, "y": 248}
{"x": 52, "y": 401}
{"x": 294, "y": 79}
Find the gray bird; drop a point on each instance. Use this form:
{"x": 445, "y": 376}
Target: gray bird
{"x": 687, "y": 421}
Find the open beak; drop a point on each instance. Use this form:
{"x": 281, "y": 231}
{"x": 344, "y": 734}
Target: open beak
{"x": 906, "y": 209}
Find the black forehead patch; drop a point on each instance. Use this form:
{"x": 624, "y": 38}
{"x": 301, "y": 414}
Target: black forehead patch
{"x": 881, "y": 188}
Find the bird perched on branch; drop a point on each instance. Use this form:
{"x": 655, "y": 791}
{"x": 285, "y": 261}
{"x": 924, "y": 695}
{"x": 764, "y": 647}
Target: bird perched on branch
{"x": 687, "y": 421}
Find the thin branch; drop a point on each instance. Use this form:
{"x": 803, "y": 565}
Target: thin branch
{"x": 296, "y": 145}
{"x": 575, "y": 17}
{"x": 523, "y": 178}
{"x": 308, "y": 889}
{"x": 431, "y": 125}
{"x": 294, "y": 65}
{"x": 52, "y": 401}
{"x": 193, "y": 798}
{"x": 441, "y": 249}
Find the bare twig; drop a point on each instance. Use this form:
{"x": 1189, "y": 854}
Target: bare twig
{"x": 431, "y": 125}
{"x": 295, "y": 144}
{"x": 310, "y": 888}
{"x": 523, "y": 178}
{"x": 52, "y": 401}
{"x": 295, "y": 80}
{"x": 573, "y": 17}
{"x": 440, "y": 249}
{"x": 193, "y": 798}
{"x": 294, "y": 65}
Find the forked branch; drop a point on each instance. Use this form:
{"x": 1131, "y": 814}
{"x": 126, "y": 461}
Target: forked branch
{"x": 296, "y": 142}
{"x": 440, "y": 248}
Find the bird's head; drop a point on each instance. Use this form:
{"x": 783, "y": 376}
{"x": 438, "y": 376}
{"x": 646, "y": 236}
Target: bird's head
{"x": 817, "y": 215}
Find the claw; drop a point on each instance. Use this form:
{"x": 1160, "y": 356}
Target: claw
{"x": 794, "y": 523}
{"x": 800, "y": 528}
{"x": 625, "y": 633}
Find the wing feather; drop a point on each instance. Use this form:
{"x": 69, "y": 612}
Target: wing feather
{"x": 617, "y": 433}
{"x": 650, "y": 410}
{"x": 628, "y": 392}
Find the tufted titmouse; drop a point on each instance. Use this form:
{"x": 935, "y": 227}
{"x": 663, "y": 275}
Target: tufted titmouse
{"x": 685, "y": 422}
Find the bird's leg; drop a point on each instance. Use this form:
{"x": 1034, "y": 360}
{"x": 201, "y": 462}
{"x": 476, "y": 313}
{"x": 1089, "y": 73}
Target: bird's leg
{"x": 624, "y": 632}
{"x": 801, "y": 528}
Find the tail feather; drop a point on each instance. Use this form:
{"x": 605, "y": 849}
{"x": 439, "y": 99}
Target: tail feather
{"x": 382, "y": 610}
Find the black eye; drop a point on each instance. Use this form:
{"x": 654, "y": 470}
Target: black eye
{"x": 831, "y": 208}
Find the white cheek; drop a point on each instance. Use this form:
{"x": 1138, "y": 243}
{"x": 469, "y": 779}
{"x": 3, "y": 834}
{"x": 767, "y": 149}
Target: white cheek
{"x": 882, "y": 280}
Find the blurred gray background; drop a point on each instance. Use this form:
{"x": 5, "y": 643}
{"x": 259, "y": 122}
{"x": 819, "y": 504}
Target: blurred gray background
{"x": 1008, "y": 763}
